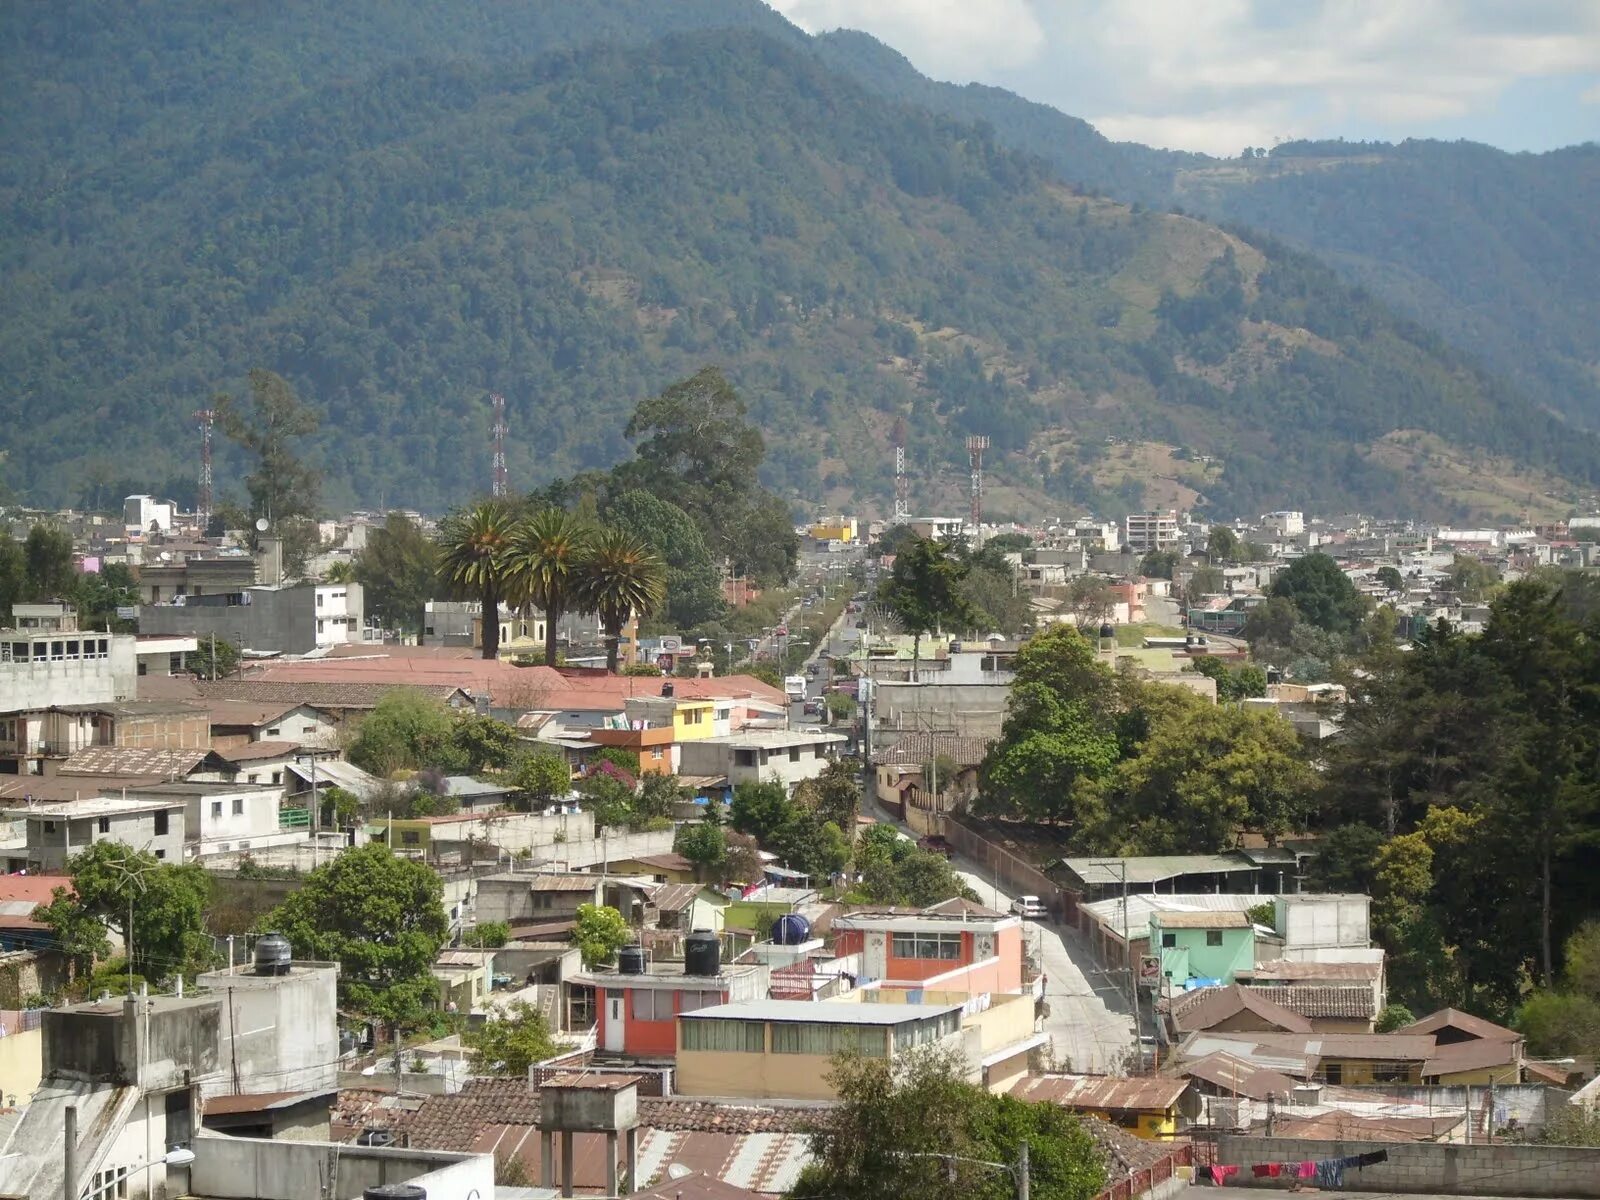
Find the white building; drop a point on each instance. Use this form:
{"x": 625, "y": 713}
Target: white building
{"x": 1147, "y": 531}
{"x": 280, "y": 618}
{"x": 1285, "y": 523}
{"x": 58, "y": 831}
{"x": 38, "y": 670}
{"x": 143, "y": 515}
{"x": 285, "y": 1028}
{"x": 221, "y": 818}
{"x": 759, "y": 756}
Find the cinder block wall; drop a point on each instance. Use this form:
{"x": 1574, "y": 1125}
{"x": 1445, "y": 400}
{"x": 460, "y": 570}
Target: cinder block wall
{"x": 1430, "y": 1167}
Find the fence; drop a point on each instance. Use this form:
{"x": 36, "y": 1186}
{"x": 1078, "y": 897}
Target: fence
{"x": 1153, "y": 1178}
{"x": 1007, "y": 871}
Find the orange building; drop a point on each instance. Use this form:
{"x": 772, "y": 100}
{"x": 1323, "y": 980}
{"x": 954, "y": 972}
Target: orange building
{"x": 960, "y": 944}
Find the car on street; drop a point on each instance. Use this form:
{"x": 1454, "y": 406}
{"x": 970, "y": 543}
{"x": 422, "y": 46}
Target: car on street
{"x": 1030, "y": 908}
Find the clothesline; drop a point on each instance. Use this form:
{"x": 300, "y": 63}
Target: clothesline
{"x": 1327, "y": 1172}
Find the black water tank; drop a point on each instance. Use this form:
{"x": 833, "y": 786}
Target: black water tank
{"x": 1108, "y": 630}
{"x": 394, "y": 1191}
{"x": 702, "y": 953}
{"x": 668, "y": 689}
{"x": 630, "y": 960}
{"x": 273, "y": 954}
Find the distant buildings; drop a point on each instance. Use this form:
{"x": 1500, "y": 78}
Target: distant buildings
{"x": 1147, "y": 531}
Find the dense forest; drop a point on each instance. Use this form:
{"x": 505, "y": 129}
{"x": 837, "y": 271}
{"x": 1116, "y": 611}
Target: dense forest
{"x": 401, "y": 211}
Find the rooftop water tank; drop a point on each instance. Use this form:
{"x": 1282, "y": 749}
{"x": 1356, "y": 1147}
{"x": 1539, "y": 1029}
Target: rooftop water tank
{"x": 1108, "y": 630}
{"x": 273, "y": 954}
{"x": 631, "y": 960}
{"x": 702, "y": 953}
{"x": 791, "y": 929}
{"x": 394, "y": 1191}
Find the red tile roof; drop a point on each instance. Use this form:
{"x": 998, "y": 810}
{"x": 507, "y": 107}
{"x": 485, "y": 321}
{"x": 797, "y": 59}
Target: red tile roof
{"x": 1206, "y": 1008}
{"x": 33, "y": 889}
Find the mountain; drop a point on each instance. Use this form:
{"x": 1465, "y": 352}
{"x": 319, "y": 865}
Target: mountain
{"x": 401, "y": 211}
{"x": 1497, "y": 253}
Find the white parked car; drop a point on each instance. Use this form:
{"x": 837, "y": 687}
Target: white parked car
{"x": 1029, "y": 908}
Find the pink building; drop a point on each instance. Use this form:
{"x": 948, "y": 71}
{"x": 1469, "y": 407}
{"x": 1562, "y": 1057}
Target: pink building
{"x": 955, "y": 945}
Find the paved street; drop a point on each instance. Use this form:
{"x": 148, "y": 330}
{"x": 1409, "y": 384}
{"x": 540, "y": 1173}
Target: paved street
{"x": 1089, "y": 1026}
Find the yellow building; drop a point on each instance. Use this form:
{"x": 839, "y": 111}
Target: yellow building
{"x": 997, "y": 1035}
{"x": 1146, "y": 1106}
{"x": 775, "y": 1049}
{"x": 834, "y": 529}
{"x": 21, "y": 1059}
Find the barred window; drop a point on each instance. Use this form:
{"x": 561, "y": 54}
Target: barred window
{"x": 929, "y": 1029}
{"x": 928, "y": 946}
{"x": 738, "y": 1037}
{"x": 652, "y": 1005}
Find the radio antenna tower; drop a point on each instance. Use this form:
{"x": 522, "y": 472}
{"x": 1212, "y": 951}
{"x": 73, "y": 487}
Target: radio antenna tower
{"x": 975, "y": 448}
{"x": 206, "y": 418}
{"x": 500, "y": 487}
{"x": 902, "y": 484}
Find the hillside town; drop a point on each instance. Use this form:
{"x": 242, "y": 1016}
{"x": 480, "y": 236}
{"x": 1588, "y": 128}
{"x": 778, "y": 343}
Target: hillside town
{"x": 302, "y": 898}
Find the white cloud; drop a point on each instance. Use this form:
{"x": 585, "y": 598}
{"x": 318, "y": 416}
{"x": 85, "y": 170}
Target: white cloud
{"x": 948, "y": 39}
{"x": 1216, "y": 75}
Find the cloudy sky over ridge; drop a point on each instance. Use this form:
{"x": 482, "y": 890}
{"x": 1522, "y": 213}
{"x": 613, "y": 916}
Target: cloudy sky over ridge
{"x": 1218, "y": 75}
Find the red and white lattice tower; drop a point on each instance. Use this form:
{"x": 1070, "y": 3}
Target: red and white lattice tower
{"x": 902, "y": 483}
{"x": 206, "y": 418}
{"x": 975, "y": 448}
{"x": 501, "y": 486}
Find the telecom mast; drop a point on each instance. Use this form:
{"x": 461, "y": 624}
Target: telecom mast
{"x": 500, "y": 486}
{"x": 206, "y": 418}
{"x": 975, "y": 448}
{"x": 902, "y": 484}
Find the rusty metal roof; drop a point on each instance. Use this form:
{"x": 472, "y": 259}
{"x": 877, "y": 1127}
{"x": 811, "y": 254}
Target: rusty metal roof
{"x": 1143, "y": 1093}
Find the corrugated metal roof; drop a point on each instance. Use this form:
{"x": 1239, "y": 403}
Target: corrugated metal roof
{"x": 1145, "y": 1093}
{"x": 1154, "y": 868}
{"x": 1222, "y": 919}
{"x": 1109, "y": 912}
{"x": 1453, "y": 1018}
{"x": 132, "y": 760}
{"x": 1294, "y": 969}
{"x": 1232, "y": 1074}
{"x": 830, "y": 1014}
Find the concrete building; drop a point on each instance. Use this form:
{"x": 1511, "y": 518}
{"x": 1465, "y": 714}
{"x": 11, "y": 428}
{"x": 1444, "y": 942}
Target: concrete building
{"x": 1147, "y": 531}
{"x": 282, "y": 618}
{"x": 143, "y": 516}
{"x": 65, "y": 667}
{"x": 56, "y": 832}
{"x": 636, "y": 1013}
{"x": 162, "y": 581}
{"x": 955, "y": 938}
{"x": 34, "y": 742}
{"x": 758, "y": 756}
{"x": 220, "y": 818}
{"x": 283, "y": 1031}
{"x": 165, "y": 655}
{"x": 1211, "y": 946}
{"x": 1285, "y": 523}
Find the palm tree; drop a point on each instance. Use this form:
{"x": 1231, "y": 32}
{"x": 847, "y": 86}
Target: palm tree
{"x": 548, "y": 552}
{"x": 621, "y": 576}
{"x": 474, "y": 550}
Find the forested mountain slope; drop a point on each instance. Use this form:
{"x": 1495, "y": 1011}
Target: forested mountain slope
{"x": 404, "y": 226}
{"x": 1497, "y": 253}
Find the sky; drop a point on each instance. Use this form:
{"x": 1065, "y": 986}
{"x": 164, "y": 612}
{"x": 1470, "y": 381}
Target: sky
{"x": 1219, "y": 75}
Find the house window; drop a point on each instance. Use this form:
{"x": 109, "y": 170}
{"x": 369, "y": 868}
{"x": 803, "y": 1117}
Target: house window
{"x": 161, "y": 826}
{"x": 320, "y": 599}
{"x": 410, "y": 837}
{"x": 238, "y": 806}
{"x": 72, "y": 649}
{"x": 1168, "y": 940}
{"x": 816, "y": 1038}
{"x": 161, "y": 853}
{"x": 275, "y": 731}
{"x": 277, "y": 777}
{"x": 652, "y": 1005}
{"x": 1213, "y": 937}
{"x": 105, "y": 824}
{"x": 1332, "y": 1072}
{"x": 656, "y": 754}
{"x": 543, "y": 900}
{"x": 928, "y": 946}
{"x": 216, "y": 809}
{"x": 1124, "y": 1118}
{"x": 794, "y": 753}
{"x": 737, "y": 1037}
{"x": 692, "y": 1001}
{"x": 49, "y": 826}
{"x": 744, "y": 758}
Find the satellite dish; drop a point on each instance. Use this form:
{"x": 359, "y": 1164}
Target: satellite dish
{"x": 262, "y": 524}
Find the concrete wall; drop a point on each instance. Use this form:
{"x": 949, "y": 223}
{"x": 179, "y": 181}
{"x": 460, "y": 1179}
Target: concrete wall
{"x": 283, "y": 1029}
{"x": 1430, "y": 1167}
{"x": 21, "y": 1065}
{"x": 1529, "y": 1105}
{"x": 251, "y": 1169}
{"x": 1309, "y": 921}
{"x": 968, "y": 709}
{"x": 40, "y": 684}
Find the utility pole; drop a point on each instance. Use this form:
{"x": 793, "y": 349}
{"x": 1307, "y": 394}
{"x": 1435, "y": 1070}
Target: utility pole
{"x": 1024, "y": 1182}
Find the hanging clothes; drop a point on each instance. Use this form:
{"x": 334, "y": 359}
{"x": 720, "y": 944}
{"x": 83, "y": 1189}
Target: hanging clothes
{"x": 1371, "y": 1158}
{"x": 1221, "y": 1174}
{"x": 1330, "y": 1173}
{"x": 1305, "y": 1170}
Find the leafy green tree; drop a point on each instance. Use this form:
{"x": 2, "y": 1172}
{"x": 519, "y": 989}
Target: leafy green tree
{"x": 283, "y": 488}
{"x": 488, "y": 934}
{"x": 379, "y": 916}
{"x": 621, "y": 578}
{"x": 1559, "y": 1024}
{"x": 47, "y": 556}
{"x": 925, "y": 591}
{"x": 659, "y": 796}
{"x": 1222, "y": 544}
{"x": 13, "y": 573}
{"x": 693, "y": 583}
{"x": 1580, "y": 968}
{"x": 99, "y": 595}
{"x": 166, "y": 902}
{"x": 705, "y": 845}
{"x": 1321, "y": 593}
{"x": 509, "y": 1042}
{"x": 913, "y": 1127}
{"x": 1159, "y": 564}
{"x": 1008, "y": 543}
{"x": 1091, "y": 600}
{"x": 475, "y": 561}
{"x": 1393, "y": 1017}
{"x": 811, "y": 845}
{"x": 1206, "y": 581}
{"x": 1347, "y": 860}
{"x": 760, "y": 809}
{"x": 213, "y": 660}
{"x": 483, "y": 743}
{"x": 1471, "y": 579}
{"x": 599, "y": 933}
{"x": 609, "y": 798}
{"x": 398, "y": 570}
{"x": 841, "y": 706}
{"x": 77, "y": 933}
{"x": 835, "y": 794}
{"x": 997, "y": 604}
{"x": 406, "y": 730}
{"x": 1047, "y": 746}
{"x": 540, "y": 777}
{"x": 547, "y": 557}
{"x": 1391, "y": 579}
{"x": 1271, "y": 624}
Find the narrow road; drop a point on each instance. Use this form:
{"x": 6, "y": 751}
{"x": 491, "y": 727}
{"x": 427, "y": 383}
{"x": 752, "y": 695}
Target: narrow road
{"x": 1089, "y": 1026}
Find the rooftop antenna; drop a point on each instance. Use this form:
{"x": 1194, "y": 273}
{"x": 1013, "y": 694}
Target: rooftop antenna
{"x": 902, "y": 483}
{"x": 206, "y": 417}
{"x": 975, "y": 447}
{"x": 500, "y": 486}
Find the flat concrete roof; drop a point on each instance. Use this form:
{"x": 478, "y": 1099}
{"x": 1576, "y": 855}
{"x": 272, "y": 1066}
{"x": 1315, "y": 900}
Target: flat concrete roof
{"x": 92, "y": 806}
{"x": 767, "y": 739}
{"x": 823, "y": 1012}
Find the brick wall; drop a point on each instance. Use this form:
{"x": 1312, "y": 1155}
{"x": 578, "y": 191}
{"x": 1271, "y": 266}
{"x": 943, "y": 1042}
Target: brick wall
{"x": 1431, "y": 1167}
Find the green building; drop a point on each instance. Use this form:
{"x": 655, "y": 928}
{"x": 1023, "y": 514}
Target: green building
{"x": 1203, "y": 945}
